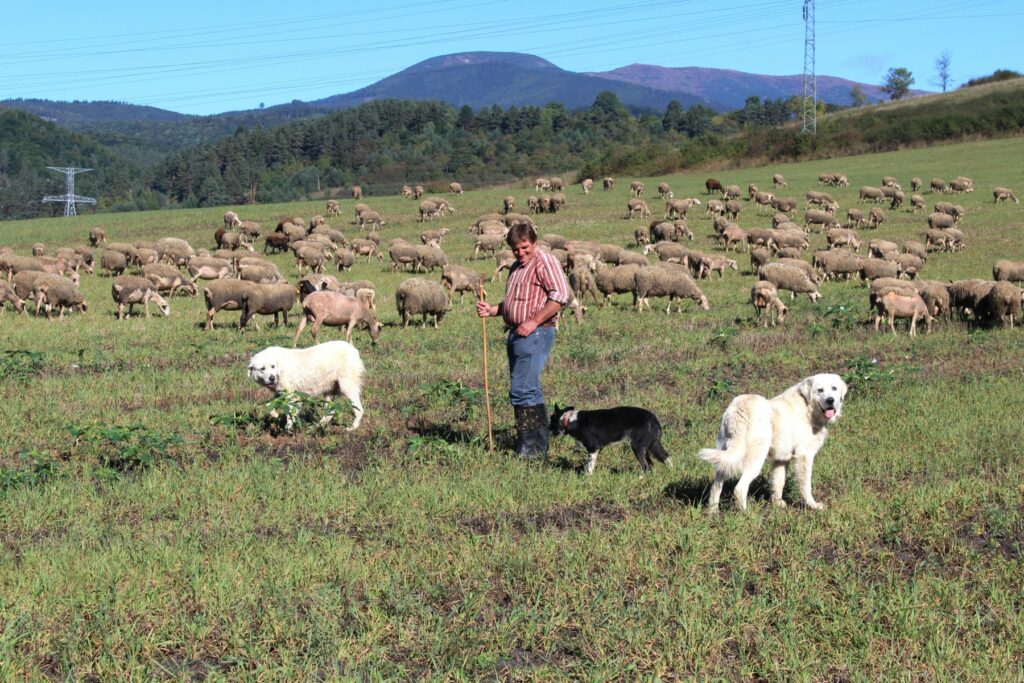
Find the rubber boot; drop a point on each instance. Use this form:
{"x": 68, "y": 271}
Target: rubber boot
{"x": 531, "y": 431}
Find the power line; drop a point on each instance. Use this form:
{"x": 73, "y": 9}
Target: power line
{"x": 69, "y": 197}
{"x": 810, "y": 108}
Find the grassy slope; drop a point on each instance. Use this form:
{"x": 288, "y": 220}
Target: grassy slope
{"x": 395, "y": 552}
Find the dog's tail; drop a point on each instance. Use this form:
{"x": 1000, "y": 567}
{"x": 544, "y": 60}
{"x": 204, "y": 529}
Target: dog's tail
{"x": 659, "y": 452}
{"x": 729, "y": 461}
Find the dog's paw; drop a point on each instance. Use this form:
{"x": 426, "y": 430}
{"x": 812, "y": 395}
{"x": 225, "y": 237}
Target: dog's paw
{"x": 815, "y": 505}
{"x": 779, "y": 503}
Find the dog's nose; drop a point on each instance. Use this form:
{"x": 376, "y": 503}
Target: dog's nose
{"x": 830, "y": 401}
{"x": 272, "y": 379}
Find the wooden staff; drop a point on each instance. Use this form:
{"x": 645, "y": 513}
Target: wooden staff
{"x": 482, "y": 296}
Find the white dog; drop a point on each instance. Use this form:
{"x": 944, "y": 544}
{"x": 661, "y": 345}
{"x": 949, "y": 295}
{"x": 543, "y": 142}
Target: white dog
{"x": 330, "y": 369}
{"x": 791, "y": 426}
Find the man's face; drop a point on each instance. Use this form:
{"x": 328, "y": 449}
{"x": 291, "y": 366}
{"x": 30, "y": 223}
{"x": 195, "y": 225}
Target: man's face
{"x": 524, "y": 250}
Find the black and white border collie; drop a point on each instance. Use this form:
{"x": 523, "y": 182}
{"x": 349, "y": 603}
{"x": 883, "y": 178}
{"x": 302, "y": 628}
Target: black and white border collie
{"x": 595, "y": 429}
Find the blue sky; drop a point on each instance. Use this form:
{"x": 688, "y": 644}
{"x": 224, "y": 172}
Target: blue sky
{"x": 208, "y": 57}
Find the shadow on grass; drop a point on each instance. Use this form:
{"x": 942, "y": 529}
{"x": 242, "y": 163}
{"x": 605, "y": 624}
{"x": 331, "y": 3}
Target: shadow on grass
{"x": 695, "y": 492}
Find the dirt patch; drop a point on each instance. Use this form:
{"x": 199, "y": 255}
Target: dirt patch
{"x": 589, "y": 516}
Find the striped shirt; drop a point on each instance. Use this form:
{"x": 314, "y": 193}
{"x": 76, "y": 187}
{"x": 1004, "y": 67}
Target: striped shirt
{"x": 531, "y": 285}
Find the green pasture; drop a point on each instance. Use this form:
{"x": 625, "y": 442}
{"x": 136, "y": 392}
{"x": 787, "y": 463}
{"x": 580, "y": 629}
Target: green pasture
{"x": 152, "y": 529}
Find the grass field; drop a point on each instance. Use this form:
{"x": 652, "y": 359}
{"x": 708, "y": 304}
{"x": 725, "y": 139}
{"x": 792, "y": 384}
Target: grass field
{"x": 149, "y": 530}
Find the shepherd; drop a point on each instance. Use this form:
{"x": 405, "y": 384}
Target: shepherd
{"x": 535, "y": 294}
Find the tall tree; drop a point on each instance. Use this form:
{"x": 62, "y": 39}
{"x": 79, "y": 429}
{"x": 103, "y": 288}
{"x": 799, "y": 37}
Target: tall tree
{"x": 942, "y": 75}
{"x": 897, "y": 82}
{"x": 858, "y": 98}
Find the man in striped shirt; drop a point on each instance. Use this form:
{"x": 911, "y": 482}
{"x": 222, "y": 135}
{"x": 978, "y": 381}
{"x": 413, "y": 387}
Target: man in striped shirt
{"x": 537, "y": 290}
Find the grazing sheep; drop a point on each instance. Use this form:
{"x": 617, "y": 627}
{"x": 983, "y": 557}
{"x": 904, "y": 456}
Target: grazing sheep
{"x": 759, "y": 257}
{"x": 733, "y": 235}
{"x": 583, "y": 281}
{"x": 130, "y": 290}
{"x": 842, "y": 237}
{"x": 557, "y": 184}
{"x": 637, "y": 207}
{"x": 1001, "y": 303}
{"x": 819, "y": 198}
{"x": 357, "y": 192}
{"x": 587, "y": 184}
{"x": 636, "y": 188}
{"x": 876, "y": 217}
{"x": 209, "y": 268}
{"x": 403, "y": 254}
{"x": 430, "y": 257}
{"x": 664, "y": 190}
{"x": 715, "y": 207}
{"x": 822, "y": 218}
{"x": 616, "y": 280}
{"x": 541, "y": 184}
{"x": 871, "y": 194}
{"x": 871, "y": 268}
{"x": 56, "y": 291}
{"x": 779, "y": 181}
{"x": 854, "y": 218}
{"x": 367, "y": 248}
{"x": 785, "y": 205}
{"x": 334, "y": 309}
{"x": 1002, "y": 194}
{"x": 455, "y": 188}
{"x": 939, "y": 185}
{"x": 789, "y": 277}
{"x": 915, "y": 184}
{"x": 733, "y": 208}
{"x": 669, "y": 251}
{"x": 889, "y": 181}
{"x": 764, "y": 296}
{"x": 488, "y": 243}
{"x": 269, "y": 299}
{"x": 607, "y": 183}
{"x": 24, "y": 283}
{"x": 456, "y": 278}
{"x": 8, "y": 293}
{"x": 227, "y": 295}
{"x": 802, "y": 265}
{"x": 961, "y": 184}
{"x": 97, "y": 236}
{"x": 330, "y": 369}
{"x": 940, "y": 220}
{"x": 231, "y": 220}
{"x": 764, "y": 199}
{"x": 897, "y": 200}
{"x": 261, "y": 274}
{"x": 113, "y": 262}
{"x": 916, "y": 248}
{"x": 333, "y": 209}
{"x": 371, "y": 218}
{"x": 12, "y": 264}
{"x": 417, "y": 296}
{"x": 909, "y": 265}
{"x": 713, "y": 262}
{"x": 936, "y": 298}
{"x": 276, "y": 242}
{"x": 712, "y": 185}
{"x": 417, "y": 192}
{"x": 894, "y": 305}
{"x": 429, "y": 211}
{"x": 883, "y": 249}
{"x": 760, "y": 237}
{"x": 173, "y": 250}
{"x": 168, "y": 279}
{"x": 789, "y": 237}
{"x": 1009, "y": 271}
{"x": 38, "y": 249}
{"x": 731, "y": 192}
{"x": 554, "y": 240}
{"x": 659, "y": 281}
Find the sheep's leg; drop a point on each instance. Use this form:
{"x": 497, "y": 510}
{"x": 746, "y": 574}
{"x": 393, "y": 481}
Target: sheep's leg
{"x": 302, "y": 326}
{"x": 778, "y": 483}
{"x": 348, "y": 330}
{"x": 892, "y": 326}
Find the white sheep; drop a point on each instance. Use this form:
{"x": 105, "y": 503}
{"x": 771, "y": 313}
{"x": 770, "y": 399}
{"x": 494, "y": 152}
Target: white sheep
{"x": 764, "y": 296}
{"x": 894, "y": 305}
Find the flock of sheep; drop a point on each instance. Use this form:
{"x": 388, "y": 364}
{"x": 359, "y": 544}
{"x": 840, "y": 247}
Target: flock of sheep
{"x": 660, "y": 264}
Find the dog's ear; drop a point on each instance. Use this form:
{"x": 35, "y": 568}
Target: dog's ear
{"x": 806, "y": 388}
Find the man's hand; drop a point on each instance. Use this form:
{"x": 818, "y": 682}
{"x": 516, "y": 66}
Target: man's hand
{"x": 526, "y": 328}
{"x": 485, "y": 310}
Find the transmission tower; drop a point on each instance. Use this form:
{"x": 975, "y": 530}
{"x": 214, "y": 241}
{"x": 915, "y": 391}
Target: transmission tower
{"x": 810, "y": 114}
{"x": 69, "y": 197}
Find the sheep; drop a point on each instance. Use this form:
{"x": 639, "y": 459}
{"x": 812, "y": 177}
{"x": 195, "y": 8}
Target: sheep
{"x": 1001, "y": 303}
{"x": 24, "y": 283}
{"x": 669, "y": 251}
{"x": 357, "y": 192}
{"x": 733, "y": 235}
{"x": 966, "y": 295}
{"x": 608, "y": 183}
{"x": 940, "y": 220}
{"x": 97, "y": 236}
{"x": 636, "y": 188}
{"x": 169, "y": 279}
{"x": 371, "y": 218}
{"x": 664, "y": 190}
{"x": 57, "y": 291}
{"x": 12, "y": 264}
{"x": 871, "y": 268}
{"x": 417, "y": 296}
{"x": 227, "y": 295}
{"x": 557, "y": 184}
{"x": 715, "y": 207}
{"x": 268, "y": 299}
{"x": 731, "y": 192}
{"x": 417, "y": 192}
{"x": 488, "y": 243}
{"x": 454, "y": 188}
{"x": 842, "y": 237}
{"x": 915, "y": 184}
{"x": 276, "y": 242}
{"x": 763, "y": 199}
{"x": 1002, "y": 194}
{"x": 231, "y": 220}
{"x": 954, "y": 239}
{"x": 871, "y": 194}
{"x": 822, "y": 218}
{"x": 961, "y": 184}
{"x": 936, "y": 298}
{"x": 315, "y": 282}
{"x": 173, "y": 250}
{"x": 8, "y": 293}
{"x": 261, "y": 274}
{"x": 712, "y": 185}
{"x": 876, "y": 217}
{"x": 788, "y": 277}
{"x": 333, "y": 209}
{"x": 429, "y": 211}
{"x": 406, "y": 192}
{"x": 637, "y": 207}
{"x": 677, "y": 208}
{"x": 939, "y": 185}
{"x": 1009, "y": 271}
{"x": 554, "y": 240}
{"x": 587, "y": 184}
{"x": 132, "y": 289}
{"x": 430, "y": 257}
{"x": 503, "y": 261}
{"x": 616, "y": 280}
{"x": 732, "y": 209}
{"x": 784, "y": 205}
{"x": 541, "y": 184}
{"x": 819, "y": 198}
{"x": 38, "y": 249}
{"x": 557, "y": 202}
{"x": 715, "y": 262}
{"x": 659, "y": 282}
{"x": 894, "y": 305}
{"x": 334, "y": 309}
{"x": 883, "y": 249}
{"x": 367, "y": 248}
{"x": 113, "y": 262}
{"x": 660, "y": 231}
{"x": 802, "y": 265}
{"x": 209, "y": 268}
{"x": 759, "y": 237}
{"x": 583, "y": 281}
{"x": 909, "y": 265}
{"x": 765, "y": 296}
{"x": 456, "y": 278}
{"x": 789, "y": 237}
{"x": 779, "y": 181}
{"x": 759, "y": 257}
{"x": 917, "y": 202}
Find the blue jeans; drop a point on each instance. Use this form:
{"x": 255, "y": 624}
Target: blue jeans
{"x": 526, "y": 359}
